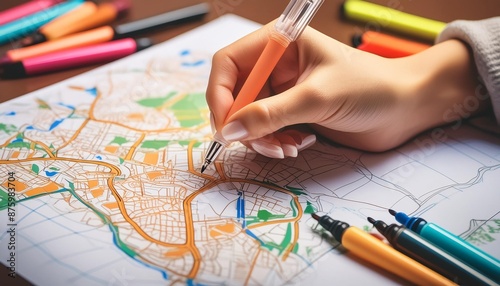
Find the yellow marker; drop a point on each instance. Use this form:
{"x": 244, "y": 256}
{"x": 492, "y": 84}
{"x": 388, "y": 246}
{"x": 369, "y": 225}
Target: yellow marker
{"x": 392, "y": 19}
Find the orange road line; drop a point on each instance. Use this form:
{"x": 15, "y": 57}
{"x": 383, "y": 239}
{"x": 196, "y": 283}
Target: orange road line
{"x": 220, "y": 170}
{"x": 134, "y": 147}
{"x": 296, "y": 229}
{"x": 188, "y": 217}
{"x": 94, "y": 103}
{"x": 190, "y": 157}
{"x": 44, "y": 147}
{"x": 32, "y": 147}
{"x": 252, "y": 265}
{"x": 7, "y": 142}
{"x": 76, "y": 134}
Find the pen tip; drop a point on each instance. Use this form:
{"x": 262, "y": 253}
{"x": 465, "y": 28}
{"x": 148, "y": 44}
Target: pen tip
{"x": 371, "y": 220}
{"x": 203, "y": 168}
{"x": 315, "y": 216}
{"x": 392, "y": 212}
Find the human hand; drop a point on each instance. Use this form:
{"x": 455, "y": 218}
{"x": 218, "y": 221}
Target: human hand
{"x": 343, "y": 94}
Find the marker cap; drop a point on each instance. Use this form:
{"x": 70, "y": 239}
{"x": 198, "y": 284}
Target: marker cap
{"x": 296, "y": 17}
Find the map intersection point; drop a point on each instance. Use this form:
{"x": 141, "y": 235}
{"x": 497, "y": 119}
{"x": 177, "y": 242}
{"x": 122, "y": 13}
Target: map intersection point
{"x": 103, "y": 172}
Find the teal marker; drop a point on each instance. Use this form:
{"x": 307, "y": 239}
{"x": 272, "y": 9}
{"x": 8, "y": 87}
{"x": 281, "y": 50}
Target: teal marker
{"x": 454, "y": 245}
{"x": 29, "y": 24}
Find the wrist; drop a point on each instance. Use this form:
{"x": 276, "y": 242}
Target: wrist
{"x": 442, "y": 86}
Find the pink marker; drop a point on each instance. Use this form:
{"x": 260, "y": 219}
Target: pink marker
{"x": 25, "y": 9}
{"x": 66, "y": 59}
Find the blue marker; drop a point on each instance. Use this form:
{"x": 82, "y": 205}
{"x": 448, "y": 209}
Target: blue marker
{"x": 461, "y": 249}
{"x": 27, "y": 25}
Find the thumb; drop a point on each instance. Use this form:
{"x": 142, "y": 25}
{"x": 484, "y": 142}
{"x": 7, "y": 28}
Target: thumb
{"x": 298, "y": 104}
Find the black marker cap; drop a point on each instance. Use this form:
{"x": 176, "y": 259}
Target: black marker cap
{"x": 12, "y": 70}
{"x": 33, "y": 39}
{"x": 357, "y": 40}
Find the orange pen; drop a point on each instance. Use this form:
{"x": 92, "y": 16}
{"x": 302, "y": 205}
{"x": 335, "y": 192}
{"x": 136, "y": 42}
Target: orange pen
{"x": 387, "y": 46}
{"x": 288, "y": 28}
{"x": 85, "y": 18}
{"x": 90, "y": 37}
{"x": 373, "y": 250}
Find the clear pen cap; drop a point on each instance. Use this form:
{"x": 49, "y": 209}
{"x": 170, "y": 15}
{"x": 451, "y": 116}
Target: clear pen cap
{"x": 297, "y": 15}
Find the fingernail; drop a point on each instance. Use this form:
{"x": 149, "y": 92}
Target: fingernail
{"x": 234, "y": 131}
{"x": 290, "y": 150}
{"x": 268, "y": 150}
{"x": 307, "y": 142}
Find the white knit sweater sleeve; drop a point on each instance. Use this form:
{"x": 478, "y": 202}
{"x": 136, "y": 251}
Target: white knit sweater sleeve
{"x": 484, "y": 39}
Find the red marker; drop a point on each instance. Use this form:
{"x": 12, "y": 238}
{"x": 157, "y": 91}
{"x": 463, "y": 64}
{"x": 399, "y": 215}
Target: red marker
{"x": 66, "y": 59}
{"x": 387, "y": 46}
{"x": 25, "y": 9}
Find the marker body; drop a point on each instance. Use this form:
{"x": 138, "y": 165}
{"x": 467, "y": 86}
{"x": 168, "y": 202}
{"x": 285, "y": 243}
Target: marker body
{"x": 430, "y": 255}
{"x": 461, "y": 249}
{"x": 75, "y": 57}
{"x": 270, "y": 56}
{"x": 94, "y": 36}
{"x": 388, "y": 46}
{"x": 258, "y": 76}
{"x": 29, "y": 24}
{"x": 105, "y": 14}
{"x": 378, "y": 253}
{"x": 90, "y": 18}
{"x": 59, "y": 27}
{"x": 159, "y": 21}
{"x": 24, "y": 10}
{"x": 393, "y": 19}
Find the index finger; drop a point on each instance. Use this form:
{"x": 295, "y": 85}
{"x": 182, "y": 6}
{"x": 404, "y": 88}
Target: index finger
{"x": 230, "y": 67}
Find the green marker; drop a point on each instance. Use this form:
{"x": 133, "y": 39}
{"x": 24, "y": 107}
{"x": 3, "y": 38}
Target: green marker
{"x": 392, "y": 19}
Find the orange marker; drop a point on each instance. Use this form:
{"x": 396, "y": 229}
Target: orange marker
{"x": 387, "y": 46}
{"x": 94, "y": 36}
{"x": 288, "y": 28}
{"x": 378, "y": 253}
{"x": 89, "y": 16}
{"x": 60, "y": 26}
